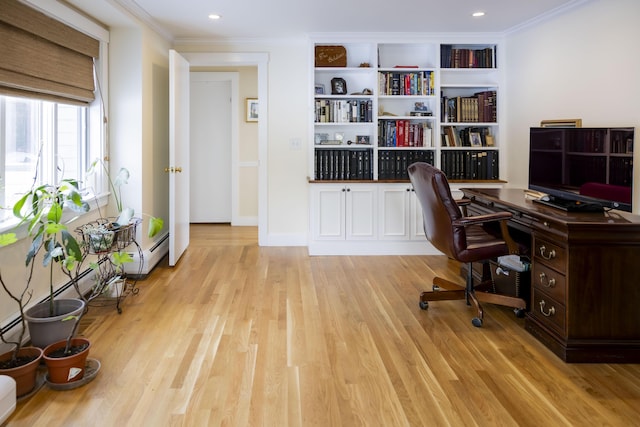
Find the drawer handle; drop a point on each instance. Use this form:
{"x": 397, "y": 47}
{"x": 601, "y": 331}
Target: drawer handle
{"x": 551, "y": 311}
{"x": 551, "y": 255}
{"x": 546, "y": 282}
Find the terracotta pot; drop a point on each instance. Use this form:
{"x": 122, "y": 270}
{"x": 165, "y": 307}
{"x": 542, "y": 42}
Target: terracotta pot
{"x": 66, "y": 369}
{"x": 24, "y": 375}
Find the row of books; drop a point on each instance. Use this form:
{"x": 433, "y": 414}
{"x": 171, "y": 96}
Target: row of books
{"x": 454, "y": 136}
{"x": 621, "y": 171}
{"x": 406, "y": 83}
{"x": 393, "y": 164}
{"x": 469, "y": 165}
{"x": 479, "y": 108}
{"x": 451, "y": 57}
{"x": 404, "y": 133}
{"x": 343, "y": 164}
{"x": 343, "y": 110}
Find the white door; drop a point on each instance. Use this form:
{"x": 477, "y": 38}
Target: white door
{"x": 178, "y": 156}
{"x": 210, "y": 156}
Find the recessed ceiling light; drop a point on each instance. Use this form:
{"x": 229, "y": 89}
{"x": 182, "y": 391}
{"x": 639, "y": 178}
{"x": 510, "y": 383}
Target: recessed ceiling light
{"x": 477, "y": 14}
{"x": 214, "y": 16}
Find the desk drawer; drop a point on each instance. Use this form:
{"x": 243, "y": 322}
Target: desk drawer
{"x": 549, "y": 281}
{"x": 548, "y": 311}
{"x": 550, "y": 254}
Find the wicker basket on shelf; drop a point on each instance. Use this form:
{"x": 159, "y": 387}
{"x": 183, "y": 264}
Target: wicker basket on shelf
{"x": 104, "y": 235}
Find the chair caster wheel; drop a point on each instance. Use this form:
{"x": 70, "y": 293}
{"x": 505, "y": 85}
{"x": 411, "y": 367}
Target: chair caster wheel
{"x": 477, "y": 322}
{"x": 519, "y": 312}
{"x": 424, "y": 305}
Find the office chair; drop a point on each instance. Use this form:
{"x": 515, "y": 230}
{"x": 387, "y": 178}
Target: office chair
{"x": 462, "y": 238}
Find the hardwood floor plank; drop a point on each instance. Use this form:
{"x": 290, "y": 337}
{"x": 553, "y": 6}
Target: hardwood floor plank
{"x": 242, "y": 335}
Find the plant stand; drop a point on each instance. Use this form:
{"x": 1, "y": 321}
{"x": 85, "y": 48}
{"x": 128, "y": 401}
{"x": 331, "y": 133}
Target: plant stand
{"x": 112, "y": 284}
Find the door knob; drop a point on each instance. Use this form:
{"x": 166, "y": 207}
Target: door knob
{"x": 171, "y": 169}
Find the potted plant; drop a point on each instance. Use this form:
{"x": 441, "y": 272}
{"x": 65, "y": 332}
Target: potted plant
{"x": 125, "y": 223}
{"x": 41, "y": 210}
{"x": 20, "y": 362}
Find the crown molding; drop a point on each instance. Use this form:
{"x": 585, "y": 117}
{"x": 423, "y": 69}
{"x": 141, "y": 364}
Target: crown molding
{"x": 546, "y": 16}
{"x": 133, "y": 9}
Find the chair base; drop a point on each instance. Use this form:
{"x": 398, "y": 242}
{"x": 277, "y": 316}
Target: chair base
{"x": 445, "y": 290}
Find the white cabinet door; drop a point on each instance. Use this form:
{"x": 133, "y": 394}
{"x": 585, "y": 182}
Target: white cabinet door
{"x": 344, "y": 211}
{"x": 394, "y": 211}
{"x": 361, "y": 211}
{"x": 417, "y": 227}
{"x": 328, "y": 211}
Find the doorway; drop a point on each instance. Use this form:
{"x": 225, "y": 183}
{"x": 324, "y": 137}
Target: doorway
{"x": 213, "y": 96}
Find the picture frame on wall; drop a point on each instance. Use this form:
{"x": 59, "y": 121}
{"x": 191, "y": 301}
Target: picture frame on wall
{"x": 252, "y": 110}
{"x": 563, "y": 123}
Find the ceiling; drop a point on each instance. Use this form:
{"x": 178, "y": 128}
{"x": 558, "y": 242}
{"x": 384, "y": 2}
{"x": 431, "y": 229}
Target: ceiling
{"x": 276, "y": 19}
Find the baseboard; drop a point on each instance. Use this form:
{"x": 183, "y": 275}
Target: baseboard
{"x": 150, "y": 257}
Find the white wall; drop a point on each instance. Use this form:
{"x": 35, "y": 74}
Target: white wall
{"x": 581, "y": 64}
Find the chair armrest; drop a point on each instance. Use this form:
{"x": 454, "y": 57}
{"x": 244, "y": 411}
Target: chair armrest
{"x": 463, "y": 202}
{"x": 481, "y": 219}
{"x": 492, "y": 217}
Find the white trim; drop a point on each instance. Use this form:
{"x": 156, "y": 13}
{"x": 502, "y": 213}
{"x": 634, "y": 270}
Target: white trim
{"x": 261, "y": 60}
{"x": 546, "y": 16}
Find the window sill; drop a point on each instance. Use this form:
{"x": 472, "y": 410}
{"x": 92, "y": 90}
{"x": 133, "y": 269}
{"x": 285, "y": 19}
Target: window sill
{"x": 21, "y": 232}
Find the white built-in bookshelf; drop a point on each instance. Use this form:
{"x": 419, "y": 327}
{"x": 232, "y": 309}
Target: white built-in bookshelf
{"x": 376, "y": 108}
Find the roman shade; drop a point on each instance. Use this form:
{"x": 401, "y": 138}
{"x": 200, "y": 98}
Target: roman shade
{"x": 44, "y": 58}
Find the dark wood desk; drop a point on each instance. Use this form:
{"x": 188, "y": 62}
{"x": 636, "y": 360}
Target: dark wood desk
{"x": 585, "y": 276}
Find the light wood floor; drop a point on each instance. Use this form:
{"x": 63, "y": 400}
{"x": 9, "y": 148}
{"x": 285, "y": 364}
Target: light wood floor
{"x": 239, "y": 335}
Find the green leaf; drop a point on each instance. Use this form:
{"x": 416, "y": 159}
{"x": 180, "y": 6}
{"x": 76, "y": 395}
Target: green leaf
{"x": 53, "y": 228}
{"x": 71, "y": 245}
{"x": 120, "y": 258}
{"x": 70, "y": 317}
{"x": 7, "y": 239}
{"x": 55, "y": 213}
{"x": 155, "y": 226}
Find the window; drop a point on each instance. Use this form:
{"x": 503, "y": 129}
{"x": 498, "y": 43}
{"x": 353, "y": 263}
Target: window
{"x": 60, "y": 131}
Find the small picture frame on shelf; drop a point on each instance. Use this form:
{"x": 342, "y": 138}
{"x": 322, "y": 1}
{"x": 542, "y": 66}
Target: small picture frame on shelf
{"x": 338, "y": 86}
{"x": 252, "y": 110}
{"x": 474, "y": 139}
{"x": 362, "y": 139}
{"x": 420, "y": 106}
{"x": 321, "y": 138}
{"x": 319, "y": 89}
{"x": 490, "y": 141}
